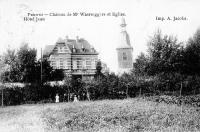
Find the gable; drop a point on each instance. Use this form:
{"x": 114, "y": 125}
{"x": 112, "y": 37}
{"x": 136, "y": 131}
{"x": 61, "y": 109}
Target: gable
{"x": 61, "y": 48}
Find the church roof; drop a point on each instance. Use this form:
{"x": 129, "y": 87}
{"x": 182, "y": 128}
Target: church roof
{"x": 81, "y": 46}
{"x": 124, "y": 40}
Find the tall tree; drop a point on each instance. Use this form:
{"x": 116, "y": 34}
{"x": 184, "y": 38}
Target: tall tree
{"x": 27, "y": 61}
{"x": 139, "y": 67}
{"x": 12, "y": 74}
{"x": 164, "y": 54}
{"x": 192, "y": 54}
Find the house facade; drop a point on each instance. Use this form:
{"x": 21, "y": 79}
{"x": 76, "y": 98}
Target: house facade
{"x": 75, "y": 56}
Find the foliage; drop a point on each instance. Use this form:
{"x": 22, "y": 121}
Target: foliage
{"x": 23, "y": 67}
{"x": 165, "y": 54}
{"x": 27, "y": 59}
{"x": 57, "y": 75}
{"x": 167, "y": 67}
{"x": 192, "y": 55}
{"x": 140, "y": 65}
{"x": 32, "y": 94}
{"x": 98, "y": 74}
{"x": 164, "y": 64}
{"x": 11, "y": 71}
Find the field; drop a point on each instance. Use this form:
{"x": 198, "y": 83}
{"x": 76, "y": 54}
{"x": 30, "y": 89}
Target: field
{"x": 101, "y": 116}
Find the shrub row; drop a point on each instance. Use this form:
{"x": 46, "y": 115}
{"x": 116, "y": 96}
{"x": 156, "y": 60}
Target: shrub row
{"x": 31, "y": 94}
{"x": 192, "y": 100}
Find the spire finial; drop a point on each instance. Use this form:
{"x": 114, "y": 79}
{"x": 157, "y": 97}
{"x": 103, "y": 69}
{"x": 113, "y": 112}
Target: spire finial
{"x": 123, "y": 24}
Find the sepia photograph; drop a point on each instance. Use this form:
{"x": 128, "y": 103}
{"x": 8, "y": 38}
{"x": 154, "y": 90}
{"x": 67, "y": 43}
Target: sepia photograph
{"x": 99, "y": 66}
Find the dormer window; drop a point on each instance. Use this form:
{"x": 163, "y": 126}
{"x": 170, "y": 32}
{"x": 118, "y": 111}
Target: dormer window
{"x": 60, "y": 50}
{"x": 82, "y": 48}
{"x": 73, "y": 49}
{"x": 92, "y": 50}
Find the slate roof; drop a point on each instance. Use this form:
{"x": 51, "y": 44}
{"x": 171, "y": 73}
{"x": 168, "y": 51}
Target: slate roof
{"x": 48, "y": 48}
{"x": 125, "y": 40}
{"x": 78, "y": 44}
{"x": 124, "y": 37}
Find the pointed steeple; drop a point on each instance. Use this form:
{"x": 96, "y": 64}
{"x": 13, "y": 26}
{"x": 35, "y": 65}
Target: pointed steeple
{"x": 124, "y": 37}
{"x": 123, "y": 24}
{"x": 124, "y": 50}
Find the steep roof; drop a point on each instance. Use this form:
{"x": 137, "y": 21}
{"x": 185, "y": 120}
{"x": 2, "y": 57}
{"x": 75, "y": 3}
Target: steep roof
{"x": 124, "y": 40}
{"x": 81, "y": 46}
{"x": 48, "y": 49}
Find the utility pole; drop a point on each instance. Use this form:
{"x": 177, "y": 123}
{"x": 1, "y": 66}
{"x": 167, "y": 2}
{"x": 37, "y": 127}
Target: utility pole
{"x": 181, "y": 103}
{"x": 2, "y": 97}
{"x": 41, "y": 66}
{"x": 40, "y": 76}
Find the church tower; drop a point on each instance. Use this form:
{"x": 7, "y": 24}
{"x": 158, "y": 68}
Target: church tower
{"x": 124, "y": 51}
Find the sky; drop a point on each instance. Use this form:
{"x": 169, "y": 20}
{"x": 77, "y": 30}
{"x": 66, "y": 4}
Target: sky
{"x": 100, "y": 31}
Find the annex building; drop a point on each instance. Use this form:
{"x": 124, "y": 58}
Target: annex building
{"x": 75, "y": 56}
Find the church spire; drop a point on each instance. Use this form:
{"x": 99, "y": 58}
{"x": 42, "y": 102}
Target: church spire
{"x": 124, "y": 50}
{"x": 123, "y": 25}
{"x": 124, "y": 37}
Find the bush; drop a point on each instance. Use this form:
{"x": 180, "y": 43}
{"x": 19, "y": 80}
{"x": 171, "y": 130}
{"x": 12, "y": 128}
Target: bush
{"x": 32, "y": 94}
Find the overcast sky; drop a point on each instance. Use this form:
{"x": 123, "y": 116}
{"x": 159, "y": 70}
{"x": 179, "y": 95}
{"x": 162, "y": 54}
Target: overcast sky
{"x": 102, "y": 32}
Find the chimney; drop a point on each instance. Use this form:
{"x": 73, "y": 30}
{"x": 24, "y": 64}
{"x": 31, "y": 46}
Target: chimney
{"x": 66, "y": 37}
{"x": 82, "y": 47}
{"x": 77, "y": 38}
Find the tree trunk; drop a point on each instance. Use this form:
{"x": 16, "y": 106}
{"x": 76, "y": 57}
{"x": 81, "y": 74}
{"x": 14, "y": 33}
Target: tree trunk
{"x": 88, "y": 94}
{"x": 181, "y": 89}
{"x": 127, "y": 92}
{"x": 140, "y": 91}
{"x": 68, "y": 95}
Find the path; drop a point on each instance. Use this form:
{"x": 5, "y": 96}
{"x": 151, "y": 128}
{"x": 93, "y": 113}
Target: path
{"x": 28, "y": 120}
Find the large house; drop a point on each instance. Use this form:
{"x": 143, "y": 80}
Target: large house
{"x": 75, "y": 56}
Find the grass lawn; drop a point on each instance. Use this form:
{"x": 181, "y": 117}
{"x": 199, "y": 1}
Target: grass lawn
{"x": 101, "y": 116}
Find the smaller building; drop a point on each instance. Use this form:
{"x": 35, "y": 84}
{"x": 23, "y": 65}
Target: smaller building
{"x": 75, "y": 56}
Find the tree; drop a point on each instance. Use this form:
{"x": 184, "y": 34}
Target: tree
{"x": 2, "y": 80}
{"x": 139, "y": 67}
{"x": 98, "y": 74}
{"x": 192, "y": 55}
{"x": 27, "y": 60}
{"x": 68, "y": 86}
{"x": 164, "y": 63}
{"x": 12, "y": 72}
{"x": 57, "y": 75}
{"x": 127, "y": 81}
{"x": 164, "y": 54}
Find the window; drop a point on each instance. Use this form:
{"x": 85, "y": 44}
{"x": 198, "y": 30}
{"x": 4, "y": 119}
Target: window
{"x": 61, "y": 49}
{"x": 124, "y": 56}
{"x": 79, "y": 63}
{"x": 88, "y": 64}
{"x": 68, "y": 64}
{"x": 53, "y": 64}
